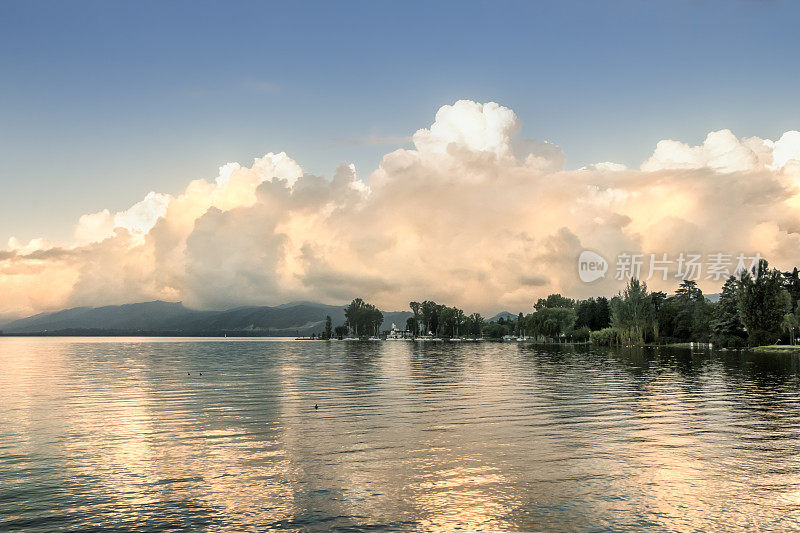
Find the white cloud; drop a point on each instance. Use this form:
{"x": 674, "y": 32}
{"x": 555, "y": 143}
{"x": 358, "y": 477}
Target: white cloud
{"x": 786, "y": 149}
{"x": 94, "y": 227}
{"x": 141, "y": 217}
{"x": 137, "y": 219}
{"x": 34, "y": 245}
{"x": 470, "y": 216}
{"x": 469, "y": 126}
{"x": 605, "y": 166}
{"x": 724, "y": 152}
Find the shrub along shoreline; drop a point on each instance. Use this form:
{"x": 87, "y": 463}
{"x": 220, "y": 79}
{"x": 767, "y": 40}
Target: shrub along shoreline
{"x": 756, "y": 309}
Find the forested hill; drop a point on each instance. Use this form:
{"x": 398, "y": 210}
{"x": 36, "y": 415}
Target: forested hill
{"x": 298, "y": 318}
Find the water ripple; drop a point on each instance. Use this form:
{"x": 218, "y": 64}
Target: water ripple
{"x": 127, "y": 434}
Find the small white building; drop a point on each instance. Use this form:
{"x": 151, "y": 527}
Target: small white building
{"x": 396, "y": 334}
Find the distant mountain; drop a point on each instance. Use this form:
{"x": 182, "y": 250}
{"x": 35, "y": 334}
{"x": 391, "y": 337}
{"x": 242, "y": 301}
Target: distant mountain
{"x": 297, "y": 318}
{"x": 140, "y": 316}
{"x": 505, "y": 315}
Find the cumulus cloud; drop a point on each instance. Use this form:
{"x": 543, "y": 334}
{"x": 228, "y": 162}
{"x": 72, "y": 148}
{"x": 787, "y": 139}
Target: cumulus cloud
{"x": 605, "y": 166}
{"x": 470, "y": 215}
{"x": 137, "y": 219}
{"x": 724, "y": 152}
{"x": 471, "y": 127}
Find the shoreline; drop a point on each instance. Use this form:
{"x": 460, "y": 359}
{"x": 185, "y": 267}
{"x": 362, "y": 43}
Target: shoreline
{"x": 775, "y": 349}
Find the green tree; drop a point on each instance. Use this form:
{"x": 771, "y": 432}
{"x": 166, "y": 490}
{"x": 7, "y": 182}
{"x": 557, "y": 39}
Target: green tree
{"x": 554, "y": 300}
{"x": 689, "y": 290}
{"x": 658, "y": 299}
{"x": 789, "y": 324}
{"x": 416, "y": 307}
{"x": 474, "y": 324}
{"x": 685, "y": 317}
{"x": 495, "y": 330}
{"x": 460, "y": 321}
{"x": 520, "y": 326}
{"x": 791, "y": 282}
{"x": 340, "y": 331}
{"x": 557, "y": 321}
{"x": 602, "y": 318}
{"x": 581, "y": 334}
{"x": 604, "y": 337}
{"x": 592, "y": 313}
{"x": 553, "y": 318}
{"x": 446, "y": 325}
{"x": 411, "y": 325}
{"x": 632, "y": 313}
{"x": 584, "y": 313}
{"x": 429, "y": 311}
{"x": 727, "y": 330}
{"x": 674, "y": 320}
{"x": 362, "y": 318}
{"x": 328, "y": 327}
{"x": 702, "y": 318}
{"x": 763, "y": 302}
{"x": 451, "y": 321}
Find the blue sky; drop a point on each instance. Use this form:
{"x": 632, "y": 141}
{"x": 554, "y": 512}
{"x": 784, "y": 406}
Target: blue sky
{"x": 101, "y": 102}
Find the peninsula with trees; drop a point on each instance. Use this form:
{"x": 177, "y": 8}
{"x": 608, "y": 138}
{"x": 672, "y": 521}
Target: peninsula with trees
{"x": 756, "y": 308}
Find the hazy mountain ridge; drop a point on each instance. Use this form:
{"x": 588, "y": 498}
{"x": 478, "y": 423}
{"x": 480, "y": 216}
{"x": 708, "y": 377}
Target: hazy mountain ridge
{"x": 297, "y": 318}
{"x": 505, "y": 315}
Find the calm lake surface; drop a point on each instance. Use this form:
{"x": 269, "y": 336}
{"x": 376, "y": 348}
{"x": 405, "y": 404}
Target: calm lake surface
{"x": 114, "y": 433}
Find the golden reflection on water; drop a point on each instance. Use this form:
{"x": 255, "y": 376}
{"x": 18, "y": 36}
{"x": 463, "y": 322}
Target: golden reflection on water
{"x": 495, "y": 437}
{"x": 461, "y": 498}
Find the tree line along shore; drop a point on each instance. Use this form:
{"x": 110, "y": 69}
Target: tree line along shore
{"x": 756, "y": 308}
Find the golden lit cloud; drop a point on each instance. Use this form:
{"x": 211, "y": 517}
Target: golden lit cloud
{"x": 471, "y": 215}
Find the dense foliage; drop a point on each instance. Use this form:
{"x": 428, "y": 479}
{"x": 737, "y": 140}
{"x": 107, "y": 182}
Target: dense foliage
{"x": 362, "y": 318}
{"x": 758, "y": 307}
{"x": 431, "y": 318}
{"x": 754, "y": 309}
{"x": 763, "y": 302}
{"x": 633, "y": 314}
{"x": 727, "y": 330}
{"x": 594, "y": 314}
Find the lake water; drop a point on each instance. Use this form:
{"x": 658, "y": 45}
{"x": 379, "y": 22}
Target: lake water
{"x": 126, "y": 433}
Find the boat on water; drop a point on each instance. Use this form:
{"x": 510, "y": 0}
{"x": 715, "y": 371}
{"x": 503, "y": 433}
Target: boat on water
{"x": 427, "y": 338}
